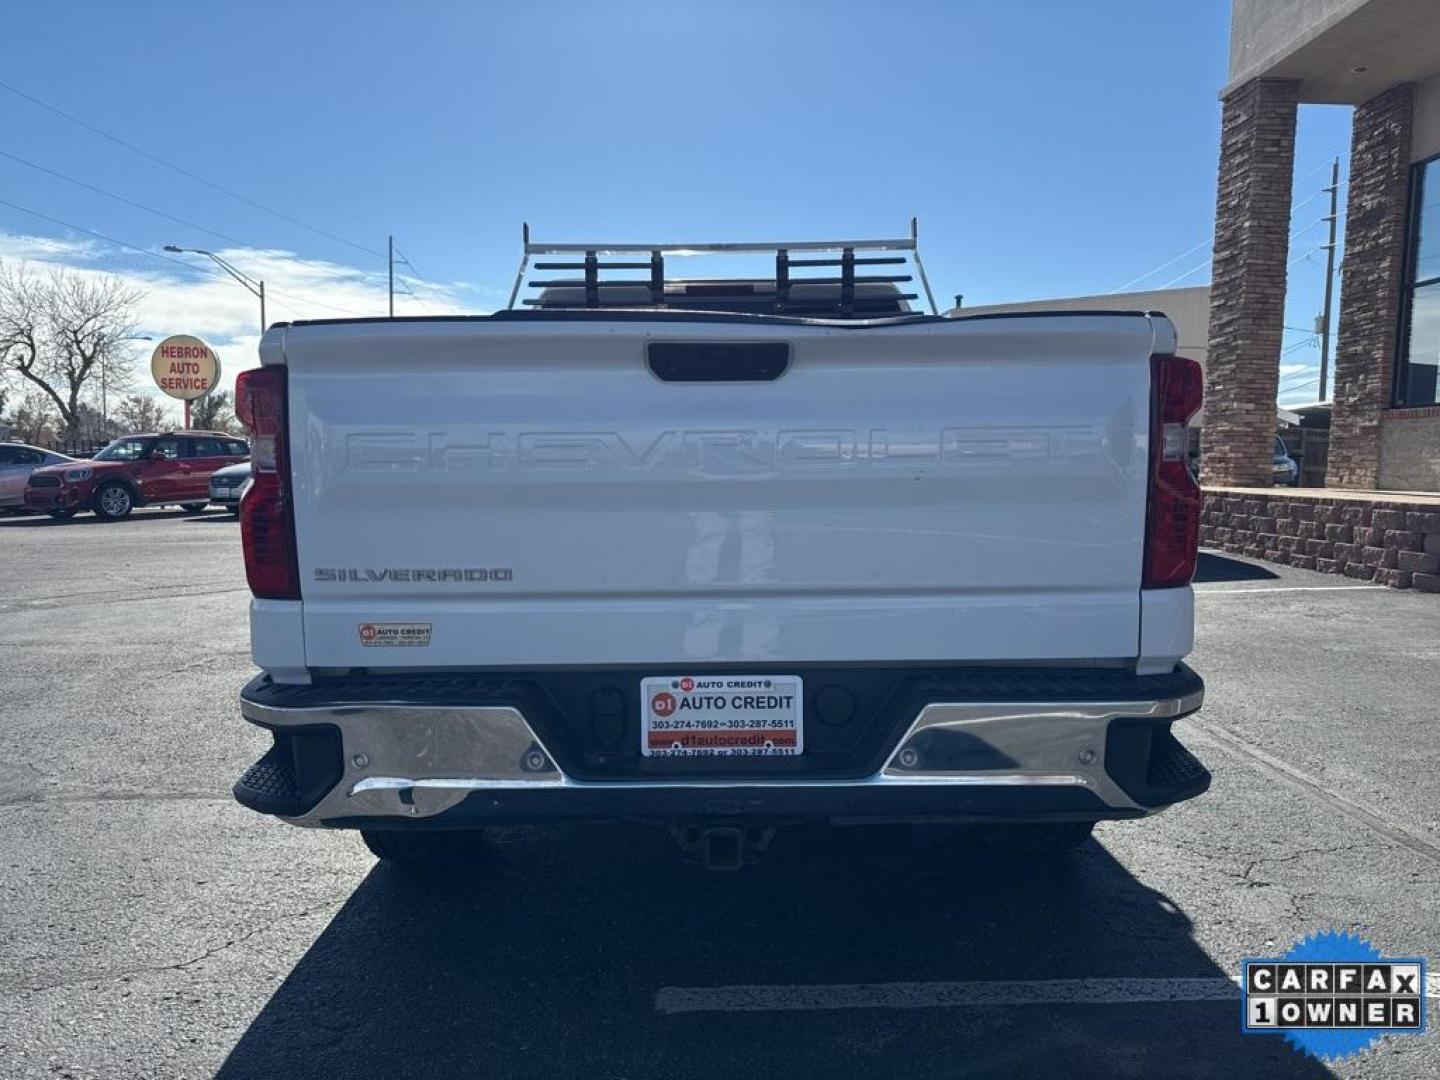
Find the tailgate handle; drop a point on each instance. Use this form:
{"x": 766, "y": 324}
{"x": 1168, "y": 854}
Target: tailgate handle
{"x": 718, "y": 361}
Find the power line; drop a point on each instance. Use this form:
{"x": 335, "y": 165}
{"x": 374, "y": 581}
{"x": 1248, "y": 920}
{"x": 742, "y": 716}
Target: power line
{"x": 1182, "y": 277}
{"x": 127, "y": 201}
{"x": 1209, "y": 240}
{"x": 1202, "y": 265}
{"x": 1188, "y": 251}
{"x": 316, "y": 303}
{"x": 110, "y": 239}
{"x": 179, "y": 220}
{"x": 400, "y": 258}
{"x": 1318, "y": 168}
{"x": 185, "y": 172}
{"x": 1323, "y": 191}
{"x": 178, "y": 262}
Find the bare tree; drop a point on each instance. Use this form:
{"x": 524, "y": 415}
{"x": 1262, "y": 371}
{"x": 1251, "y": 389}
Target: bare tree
{"x": 33, "y": 420}
{"x": 64, "y": 329}
{"x": 139, "y": 412}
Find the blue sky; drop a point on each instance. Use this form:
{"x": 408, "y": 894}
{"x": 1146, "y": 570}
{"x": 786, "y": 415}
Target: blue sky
{"x": 1049, "y": 148}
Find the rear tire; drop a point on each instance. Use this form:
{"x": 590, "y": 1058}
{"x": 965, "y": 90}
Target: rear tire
{"x": 1037, "y": 839}
{"x": 193, "y": 508}
{"x": 114, "y": 501}
{"x": 426, "y": 851}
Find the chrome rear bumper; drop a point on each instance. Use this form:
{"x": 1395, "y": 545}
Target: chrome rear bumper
{"x": 988, "y": 760}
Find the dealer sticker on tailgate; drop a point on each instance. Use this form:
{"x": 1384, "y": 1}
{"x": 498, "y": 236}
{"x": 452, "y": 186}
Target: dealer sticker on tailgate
{"x": 721, "y": 715}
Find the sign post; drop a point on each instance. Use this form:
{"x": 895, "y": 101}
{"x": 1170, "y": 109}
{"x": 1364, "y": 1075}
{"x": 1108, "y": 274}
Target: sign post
{"x": 185, "y": 367}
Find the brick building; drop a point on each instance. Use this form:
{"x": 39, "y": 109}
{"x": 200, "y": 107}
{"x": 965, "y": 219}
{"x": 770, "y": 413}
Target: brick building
{"x": 1383, "y": 58}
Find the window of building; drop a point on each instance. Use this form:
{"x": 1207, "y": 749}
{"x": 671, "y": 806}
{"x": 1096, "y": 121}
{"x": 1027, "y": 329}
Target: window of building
{"x": 1419, "y": 359}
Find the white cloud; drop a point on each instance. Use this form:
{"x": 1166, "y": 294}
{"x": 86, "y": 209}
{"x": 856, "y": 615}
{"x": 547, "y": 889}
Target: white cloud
{"x": 222, "y": 312}
{"x": 17, "y": 246}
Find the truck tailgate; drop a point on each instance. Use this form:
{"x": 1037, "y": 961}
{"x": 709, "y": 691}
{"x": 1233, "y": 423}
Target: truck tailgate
{"x": 530, "y": 494}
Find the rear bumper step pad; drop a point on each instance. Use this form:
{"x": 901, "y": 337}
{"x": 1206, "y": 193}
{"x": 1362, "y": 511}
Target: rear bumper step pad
{"x": 956, "y": 743}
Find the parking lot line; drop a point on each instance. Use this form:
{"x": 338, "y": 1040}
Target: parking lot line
{"x": 933, "y": 995}
{"x": 1394, "y": 830}
{"x": 1220, "y": 591}
{"x": 100, "y": 597}
{"x": 672, "y": 1000}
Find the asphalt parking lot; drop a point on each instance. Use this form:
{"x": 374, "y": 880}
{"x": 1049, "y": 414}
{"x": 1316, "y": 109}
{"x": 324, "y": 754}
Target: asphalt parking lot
{"x": 150, "y": 927}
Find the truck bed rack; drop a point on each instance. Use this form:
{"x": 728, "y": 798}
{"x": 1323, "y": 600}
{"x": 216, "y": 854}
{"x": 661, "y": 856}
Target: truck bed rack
{"x": 857, "y": 295}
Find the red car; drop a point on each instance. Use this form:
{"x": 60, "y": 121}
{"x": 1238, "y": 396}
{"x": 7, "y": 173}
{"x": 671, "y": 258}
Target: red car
{"x": 164, "y": 469}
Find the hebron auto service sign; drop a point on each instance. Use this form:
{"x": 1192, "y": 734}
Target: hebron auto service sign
{"x": 185, "y": 367}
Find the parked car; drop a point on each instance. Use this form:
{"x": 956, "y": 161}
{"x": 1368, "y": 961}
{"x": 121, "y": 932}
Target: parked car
{"x": 162, "y": 469}
{"x": 227, "y": 485}
{"x": 17, "y": 462}
{"x": 1286, "y": 471}
{"x": 721, "y": 570}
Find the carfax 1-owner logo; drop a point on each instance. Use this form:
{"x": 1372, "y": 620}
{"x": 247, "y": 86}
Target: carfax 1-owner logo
{"x": 1333, "y": 995}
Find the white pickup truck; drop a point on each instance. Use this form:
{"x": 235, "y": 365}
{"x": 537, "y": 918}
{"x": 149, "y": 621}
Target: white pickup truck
{"x": 720, "y": 555}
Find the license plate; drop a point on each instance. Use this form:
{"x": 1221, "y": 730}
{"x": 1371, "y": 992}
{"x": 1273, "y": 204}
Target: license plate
{"x": 721, "y": 716}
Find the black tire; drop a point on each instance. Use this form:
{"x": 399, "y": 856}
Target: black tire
{"x": 62, "y": 515}
{"x": 425, "y": 851}
{"x": 114, "y": 501}
{"x": 193, "y": 508}
{"x": 1037, "y": 839}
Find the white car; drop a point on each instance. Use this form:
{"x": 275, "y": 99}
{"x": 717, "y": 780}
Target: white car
{"x": 722, "y": 556}
{"x": 17, "y": 462}
{"x": 1286, "y": 470}
{"x": 228, "y": 484}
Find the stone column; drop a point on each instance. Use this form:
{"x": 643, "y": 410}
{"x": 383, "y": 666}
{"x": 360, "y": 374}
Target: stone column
{"x": 1247, "y": 287}
{"x": 1375, "y": 225}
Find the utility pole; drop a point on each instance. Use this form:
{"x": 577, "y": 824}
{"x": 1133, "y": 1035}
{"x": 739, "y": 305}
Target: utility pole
{"x": 1324, "y": 328}
{"x": 390, "y": 258}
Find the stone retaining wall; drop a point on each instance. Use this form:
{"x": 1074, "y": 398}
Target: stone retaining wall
{"x": 1385, "y": 541}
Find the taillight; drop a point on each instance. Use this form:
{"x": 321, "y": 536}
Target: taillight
{"x": 1172, "y": 519}
{"x": 267, "y": 511}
